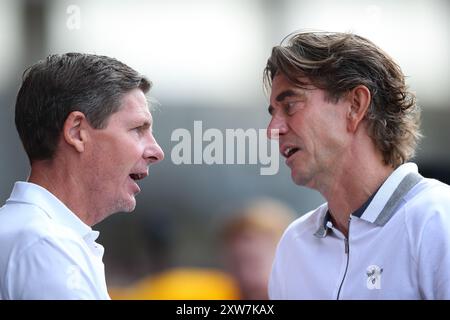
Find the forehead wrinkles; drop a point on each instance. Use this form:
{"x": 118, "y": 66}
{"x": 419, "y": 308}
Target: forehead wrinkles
{"x": 281, "y": 83}
{"x": 132, "y": 111}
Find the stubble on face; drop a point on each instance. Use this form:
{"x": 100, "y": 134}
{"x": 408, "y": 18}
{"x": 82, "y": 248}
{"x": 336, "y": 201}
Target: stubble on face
{"x": 315, "y": 126}
{"x": 115, "y": 153}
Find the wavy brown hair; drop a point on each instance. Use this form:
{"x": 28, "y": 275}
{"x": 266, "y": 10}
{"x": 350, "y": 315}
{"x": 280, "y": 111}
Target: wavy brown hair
{"x": 337, "y": 63}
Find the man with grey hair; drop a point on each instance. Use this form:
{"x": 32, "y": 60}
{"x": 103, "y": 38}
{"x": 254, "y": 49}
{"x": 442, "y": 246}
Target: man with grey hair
{"x": 86, "y": 127}
{"x": 347, "y": 125}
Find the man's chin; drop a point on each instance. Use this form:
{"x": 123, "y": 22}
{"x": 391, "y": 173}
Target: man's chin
{"x": 295, "y": 178}
{"x": 299, "y": 179}
{"x": 126, "y": 205}
{"x": 131, "y": 206}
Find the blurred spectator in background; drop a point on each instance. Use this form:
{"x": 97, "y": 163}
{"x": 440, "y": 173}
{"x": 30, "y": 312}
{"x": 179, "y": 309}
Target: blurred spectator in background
{"x": 86, "y": 127}
{"x": 249, "y": 240}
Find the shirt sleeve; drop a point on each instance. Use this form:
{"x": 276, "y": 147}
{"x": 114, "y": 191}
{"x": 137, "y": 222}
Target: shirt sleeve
{"x": 48, "y": 270}
{"x": 434, "y": 255}
{"x": 274, "y": 283}
{"x": 276, "y": 279}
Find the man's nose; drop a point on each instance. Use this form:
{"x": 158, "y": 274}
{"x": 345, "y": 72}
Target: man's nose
{"x": 153, "y": 152}
{"x": 276, "y": 127}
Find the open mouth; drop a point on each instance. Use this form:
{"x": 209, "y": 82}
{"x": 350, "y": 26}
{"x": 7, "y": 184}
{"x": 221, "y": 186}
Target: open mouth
{"x": 290, "y": 151}
{"x": 137, "y": 176}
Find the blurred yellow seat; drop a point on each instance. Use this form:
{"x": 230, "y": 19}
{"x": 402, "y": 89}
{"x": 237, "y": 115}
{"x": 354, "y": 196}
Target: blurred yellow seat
{"x": 181, "y": 284}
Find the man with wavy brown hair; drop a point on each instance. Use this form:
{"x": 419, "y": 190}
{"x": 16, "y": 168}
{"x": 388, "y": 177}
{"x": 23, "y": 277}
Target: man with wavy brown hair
{"x": 347, "y": 125}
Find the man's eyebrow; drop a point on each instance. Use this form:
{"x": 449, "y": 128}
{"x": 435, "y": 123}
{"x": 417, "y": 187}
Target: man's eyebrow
{"x": 283, "y": 95}
{"x": 142, "y": 122}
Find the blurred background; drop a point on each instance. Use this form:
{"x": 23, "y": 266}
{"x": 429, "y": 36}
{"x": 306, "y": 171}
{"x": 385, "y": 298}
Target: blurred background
{"x": 205, "y": 58}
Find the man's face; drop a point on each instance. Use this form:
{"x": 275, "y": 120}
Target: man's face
{"x": 312, "y": 130}
{"x": 120, "y": 154}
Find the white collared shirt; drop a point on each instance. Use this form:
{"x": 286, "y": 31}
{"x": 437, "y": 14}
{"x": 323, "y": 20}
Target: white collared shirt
{"x": 398, "y": 248}
{"x": 46, "y": 251}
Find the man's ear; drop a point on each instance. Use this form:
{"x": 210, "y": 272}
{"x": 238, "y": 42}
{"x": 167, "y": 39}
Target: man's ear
{"x": 74, "y": 130}
{"x": 360, "y": 99}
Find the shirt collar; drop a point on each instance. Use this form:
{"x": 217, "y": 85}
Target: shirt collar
{"x": 382, "y": 205}
{"x": 391, "y": 193}
{"x": 30, "y": 193}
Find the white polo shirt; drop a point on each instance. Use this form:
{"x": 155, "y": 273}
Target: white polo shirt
{"x": 46, "y": 251}
{"x": 398, "y": 247}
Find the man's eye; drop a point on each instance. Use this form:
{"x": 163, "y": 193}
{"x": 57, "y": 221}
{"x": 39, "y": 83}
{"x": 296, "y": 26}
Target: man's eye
{"x": 139, "y": 129}
{"x": 291, "y": 107}
{"x": 142, "y": 129}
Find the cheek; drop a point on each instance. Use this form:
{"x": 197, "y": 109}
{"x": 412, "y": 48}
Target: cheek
{"x": 331, "y": 145}
{"x": 126, "y": 153}
{"x": 297, "y": 125}
{"x": 115, "y": 158}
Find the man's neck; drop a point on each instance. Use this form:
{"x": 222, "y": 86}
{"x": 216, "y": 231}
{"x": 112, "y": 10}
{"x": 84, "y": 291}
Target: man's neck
{"x": 63, "y": 185}
{"x": 352, "y": 188}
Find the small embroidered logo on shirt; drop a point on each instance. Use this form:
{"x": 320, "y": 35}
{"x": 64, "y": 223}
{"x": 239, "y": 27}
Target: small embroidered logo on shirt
{"x": 373, "y": 273}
